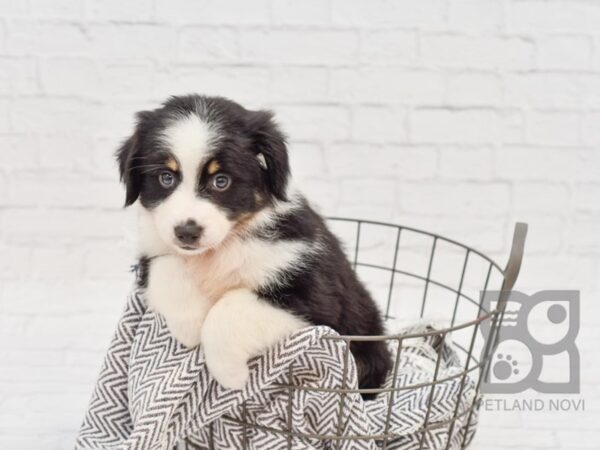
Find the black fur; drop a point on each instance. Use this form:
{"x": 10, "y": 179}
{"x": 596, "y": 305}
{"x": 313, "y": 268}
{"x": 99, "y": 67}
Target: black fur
{"x": 128, "y": 156}
{"x": 324, "y": 289}
{"x": 242, "y": 135}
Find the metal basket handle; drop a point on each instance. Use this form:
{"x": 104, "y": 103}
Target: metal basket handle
{"x": 513, "y": 266}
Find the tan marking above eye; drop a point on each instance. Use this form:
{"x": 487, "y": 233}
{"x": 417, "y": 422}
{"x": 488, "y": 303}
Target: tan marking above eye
{"x": 172, "y": 164}
{"x": 213, "y": 167}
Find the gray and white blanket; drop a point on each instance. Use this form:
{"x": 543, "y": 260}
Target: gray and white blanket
{"x": 152, "y": 392}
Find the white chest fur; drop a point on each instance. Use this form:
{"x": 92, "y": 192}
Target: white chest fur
{"x": 243, "y": 263}
{"x": 184, "y": 288}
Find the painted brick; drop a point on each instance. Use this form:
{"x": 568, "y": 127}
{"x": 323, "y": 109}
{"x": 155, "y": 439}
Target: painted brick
{"x": 538, "y": 164}
{"x": 307, "y": 12}
{"x": 588, "y": 165}
{"x": 208, "y": 44}
{"x": 475, "y": 163}
{"x": 132, "y": 10}
{"x": 474, "y": 89}
{"x": 230, "y": 12}
{"x": 367, "y": 191}
{"x": 315, "y": 122}
{"x": 394, "y": 161}
{"x": 549, "y": 198}
{"x": 51, "y": 9}
{"x": 20, "y": 149}
{"x": 565, "y": 53}
{"x": 586, "y": 196}
{"x": 18, "y": 76}
{"x": 553, "y": 128}
{"x": 591, "y": 128}
{"x": 133, "y": 41}
{"x": 391, "y": 47}
{"x": 379, "y": 124}
{"x": 477, "y": 52}
{"x": 248, "y": 84}
{"x": 27, "y": 37}
{"x": 299, "y": 84}
{"x": 475, "y": 15}
{"x": 489, "y": 199}
{"x": 13, "y": 8}
{"x": 387, "y": 85}
{"x": 404, "y": 13}
{"x": 48, "y": 115}
{"x": 70, "y": 76}
{"x": 299, "y": 46}
{"x": 451, "y": 126}
{"x": 546, "y": 90}
{"x": 306, "y": 160}
{"x": 455, "y": 116}
{"x": 564, "y": 17}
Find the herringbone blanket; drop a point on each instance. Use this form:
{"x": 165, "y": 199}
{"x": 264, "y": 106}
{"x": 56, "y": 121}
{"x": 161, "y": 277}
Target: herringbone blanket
{"x": 152, "y": 392}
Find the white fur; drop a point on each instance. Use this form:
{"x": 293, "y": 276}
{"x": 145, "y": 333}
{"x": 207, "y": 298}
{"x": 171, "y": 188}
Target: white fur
{"x": 189, "y": 139}
{"x": 267, "y": 216}
{"x": 184, "y": 285}
{"x": 150, "y": 242}
{"x": 250, "y": 263}
{"x": 240, "y": 260}
{"x": 172, "y": 292}
{"x": 183, "y": 205}
{"x": 239, "y": 326}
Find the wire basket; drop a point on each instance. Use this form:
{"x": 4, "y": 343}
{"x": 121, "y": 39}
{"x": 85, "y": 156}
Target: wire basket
{"x": 415, "y": 274}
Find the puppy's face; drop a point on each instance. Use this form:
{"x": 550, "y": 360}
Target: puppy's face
{"x": 201, "y": 166}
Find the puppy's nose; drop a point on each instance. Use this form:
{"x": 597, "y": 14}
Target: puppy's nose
{"x": 188, "y": 233}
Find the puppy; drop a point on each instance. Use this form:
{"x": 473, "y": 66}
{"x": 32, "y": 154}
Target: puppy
{"x": 232, "y": 257}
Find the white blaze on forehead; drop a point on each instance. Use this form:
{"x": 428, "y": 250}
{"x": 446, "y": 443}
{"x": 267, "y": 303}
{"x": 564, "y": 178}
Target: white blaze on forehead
{"x": 189, "y": 138}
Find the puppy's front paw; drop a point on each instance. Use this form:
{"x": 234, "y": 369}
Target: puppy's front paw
{"x": 187, "y": 332}
{"x": 225, "y": 340}
{"x": 238, "y": 327}
{"x": 172, "y": 293}
{"x": 230, "y": 372}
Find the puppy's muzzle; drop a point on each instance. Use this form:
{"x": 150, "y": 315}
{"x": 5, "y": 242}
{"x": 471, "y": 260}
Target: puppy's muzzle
{"x": 188, "y": 234}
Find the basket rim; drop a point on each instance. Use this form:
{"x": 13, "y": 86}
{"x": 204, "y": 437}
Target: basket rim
{"x": 417, "y": 230}
{"x": 402, "y": 337}
{"x": 441, "y": 331}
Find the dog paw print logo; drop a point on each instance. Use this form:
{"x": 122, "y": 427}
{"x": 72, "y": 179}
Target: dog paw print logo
{"x": 535, "y": 329}
{"x": 505, "y": 367}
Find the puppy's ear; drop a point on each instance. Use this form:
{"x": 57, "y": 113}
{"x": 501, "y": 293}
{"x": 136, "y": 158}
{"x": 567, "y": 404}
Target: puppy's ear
{"x": 271, "y": 151}
{"x": 129, "y": 159}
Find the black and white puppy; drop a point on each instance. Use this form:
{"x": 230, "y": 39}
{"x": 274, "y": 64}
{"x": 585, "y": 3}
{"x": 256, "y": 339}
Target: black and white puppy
{"x": 233, "y": 258}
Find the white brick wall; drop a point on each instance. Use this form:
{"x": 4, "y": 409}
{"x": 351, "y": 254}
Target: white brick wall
{"x": 459, "y": 116}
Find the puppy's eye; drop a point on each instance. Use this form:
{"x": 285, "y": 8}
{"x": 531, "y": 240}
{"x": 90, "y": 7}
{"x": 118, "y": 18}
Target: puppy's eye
{"x": 221, "y": 182}
{"x": 166, "y": 179}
